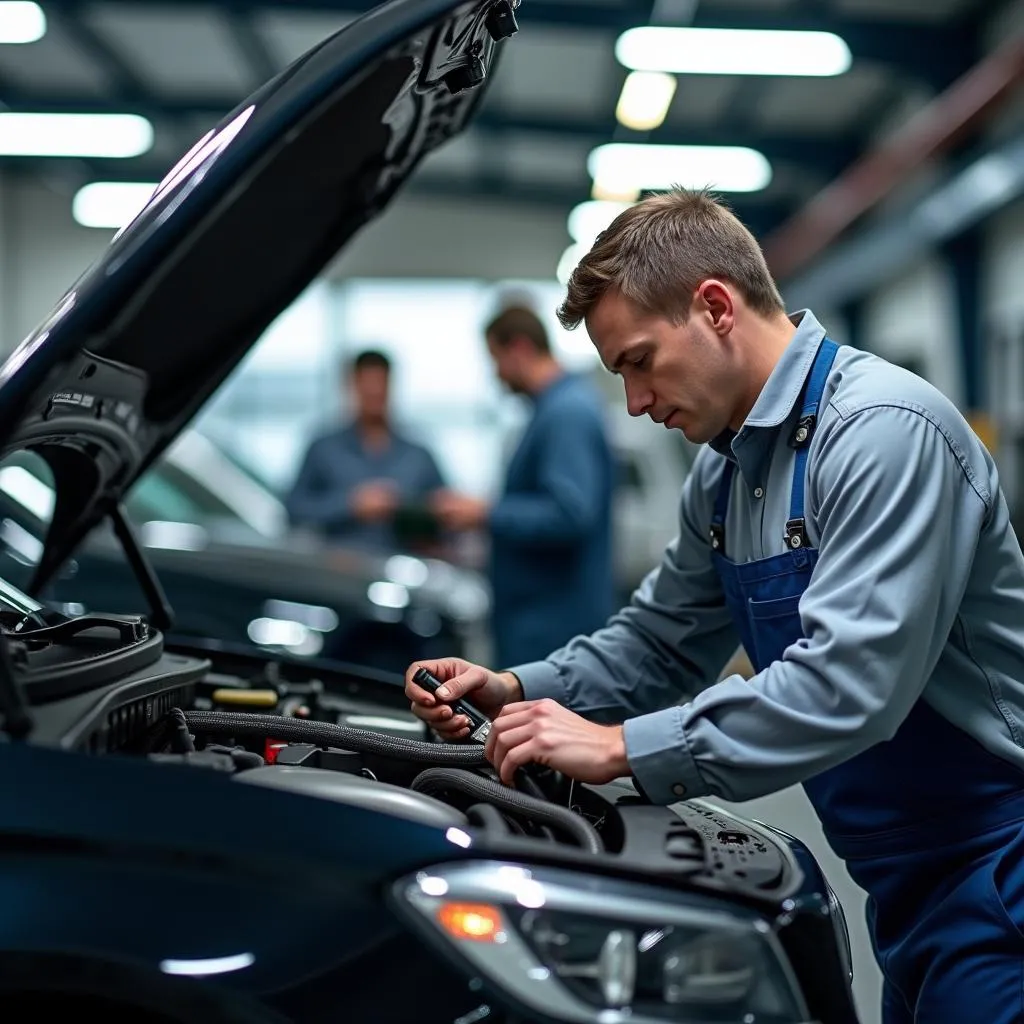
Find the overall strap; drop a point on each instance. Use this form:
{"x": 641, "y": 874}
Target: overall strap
{"x": 717, "y": 530}
{"x": 814, "y": 388}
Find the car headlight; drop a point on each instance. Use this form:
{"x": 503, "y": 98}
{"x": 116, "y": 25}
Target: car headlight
{"x": 574, "y": 947}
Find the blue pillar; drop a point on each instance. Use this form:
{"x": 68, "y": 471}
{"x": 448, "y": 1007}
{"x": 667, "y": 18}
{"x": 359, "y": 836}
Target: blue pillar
{"x": 853, "y": 313}
{"x": 963, "y": 255}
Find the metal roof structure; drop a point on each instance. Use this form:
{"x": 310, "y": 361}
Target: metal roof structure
{"x": 184, "y": 63}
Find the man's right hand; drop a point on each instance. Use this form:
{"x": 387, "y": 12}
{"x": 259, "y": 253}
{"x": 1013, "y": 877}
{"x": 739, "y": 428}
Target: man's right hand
{"x": 374, "y": 500}
{"x": 489, "y": 691}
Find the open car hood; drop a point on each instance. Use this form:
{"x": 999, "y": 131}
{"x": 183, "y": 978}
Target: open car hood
{"x": 237, "y": 229}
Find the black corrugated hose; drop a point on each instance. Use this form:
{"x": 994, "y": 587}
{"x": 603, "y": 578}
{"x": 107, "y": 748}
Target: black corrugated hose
{"x": 488, "y": 817}
{"x": 580, "y": 830}
{"x": 301, "y": 730}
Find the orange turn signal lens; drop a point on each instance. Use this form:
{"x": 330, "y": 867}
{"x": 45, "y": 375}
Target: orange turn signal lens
{"x": 478, "y": 921}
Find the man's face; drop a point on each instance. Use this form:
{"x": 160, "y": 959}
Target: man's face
{"x": 370, "y": 390}
{"x": 507, "y": 363}
{"x": 679, "y": 375}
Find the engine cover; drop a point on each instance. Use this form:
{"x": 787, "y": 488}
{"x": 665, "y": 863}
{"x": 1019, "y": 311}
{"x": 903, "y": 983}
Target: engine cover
{"x": 356, "y": 791}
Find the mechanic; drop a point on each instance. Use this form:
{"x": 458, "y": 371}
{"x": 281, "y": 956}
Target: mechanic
{"x": 354, "y": 479}
{"x": 551, "y": 566}
{"x": 846, "y": 524}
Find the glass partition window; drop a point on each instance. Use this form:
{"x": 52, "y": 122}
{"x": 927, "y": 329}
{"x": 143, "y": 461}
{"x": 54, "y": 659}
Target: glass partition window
{"x": 444, "y": 392}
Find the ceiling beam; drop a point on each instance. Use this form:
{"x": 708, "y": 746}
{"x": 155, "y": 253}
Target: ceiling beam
{"x": 261, "y": 63}
{"x": 97, "y": 49}
{"x": 826, "y": 156}
{"x": 934, "y": 130}
{"x": 933, "y": 53}
{"x": 875, "y": 254}
{"x": 760, "y": 215}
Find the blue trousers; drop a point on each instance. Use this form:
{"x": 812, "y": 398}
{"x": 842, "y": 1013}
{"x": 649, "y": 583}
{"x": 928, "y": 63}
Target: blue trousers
{"x": 954, "y": 953}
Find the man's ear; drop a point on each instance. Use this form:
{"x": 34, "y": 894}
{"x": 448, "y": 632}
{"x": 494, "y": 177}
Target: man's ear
{"x": 716, "y": 302}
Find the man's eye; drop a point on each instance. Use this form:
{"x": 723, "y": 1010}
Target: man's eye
{"x": 641, "y": 362}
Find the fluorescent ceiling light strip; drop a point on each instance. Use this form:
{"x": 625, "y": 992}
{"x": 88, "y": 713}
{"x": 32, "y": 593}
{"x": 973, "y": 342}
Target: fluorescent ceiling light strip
{"x": 21, "y": 22}
{"x": 568, "y": 262}
{"x": 727, "y": 51}
{"x": 74, "y": 135}
{"x": 110, "y": 204}
{"x": 645, "y": 99}
{"x": 622, "y": 169}
{"x": 588, "y": 220}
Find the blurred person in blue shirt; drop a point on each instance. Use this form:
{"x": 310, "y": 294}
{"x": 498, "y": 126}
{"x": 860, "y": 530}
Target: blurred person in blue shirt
{"x": 551, "y": 529}
{"x": 356, "y": 479}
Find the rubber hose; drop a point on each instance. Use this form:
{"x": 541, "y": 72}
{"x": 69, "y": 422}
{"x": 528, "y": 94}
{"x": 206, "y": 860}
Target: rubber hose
{"x": 180, "y": 732}
{"x": 489, "y": 818}
{"x": 525, "y": 782}
{"x": 539, "y": 811}
{"x": 363, "y": 741}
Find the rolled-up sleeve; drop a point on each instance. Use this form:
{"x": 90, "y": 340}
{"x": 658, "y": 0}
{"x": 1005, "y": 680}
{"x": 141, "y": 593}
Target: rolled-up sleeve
{"x": 670, "y": 641}
{"x": 897, "y": 507}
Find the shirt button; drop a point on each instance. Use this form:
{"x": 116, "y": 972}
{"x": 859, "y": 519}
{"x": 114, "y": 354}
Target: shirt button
{"x": 758, "y": 492}
{"x": 679, "y": 789}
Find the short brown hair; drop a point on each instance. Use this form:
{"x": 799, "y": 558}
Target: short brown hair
{"x": 659, "y": 250}
{"x": 370, "y": 358}
{"x": 518, "y": 322}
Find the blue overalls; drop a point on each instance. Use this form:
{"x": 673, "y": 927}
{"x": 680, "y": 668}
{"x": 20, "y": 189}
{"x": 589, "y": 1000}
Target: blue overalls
{"x": 929, "y": 823}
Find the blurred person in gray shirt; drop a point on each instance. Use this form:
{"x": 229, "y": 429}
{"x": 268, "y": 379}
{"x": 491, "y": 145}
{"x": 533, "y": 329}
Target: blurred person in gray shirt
{"x": 356, "y": 478}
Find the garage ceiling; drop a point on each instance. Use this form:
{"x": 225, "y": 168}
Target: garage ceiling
{"x": 185, "y": 63}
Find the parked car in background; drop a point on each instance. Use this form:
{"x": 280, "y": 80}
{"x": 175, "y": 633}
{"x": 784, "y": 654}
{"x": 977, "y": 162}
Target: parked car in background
{"x": 233, "y": 572}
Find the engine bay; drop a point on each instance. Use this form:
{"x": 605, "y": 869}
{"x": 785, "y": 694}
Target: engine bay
{"x": 347, "y": 735}
{"x": 342, "y": 739}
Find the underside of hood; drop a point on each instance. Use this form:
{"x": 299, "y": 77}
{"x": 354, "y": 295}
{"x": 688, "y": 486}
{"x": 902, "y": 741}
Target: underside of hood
{"x": 233, "y": 235}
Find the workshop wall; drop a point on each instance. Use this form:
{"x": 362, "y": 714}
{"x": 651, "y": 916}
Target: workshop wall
{"x": 911, "y": 320}
{"x": 43, "y": 251}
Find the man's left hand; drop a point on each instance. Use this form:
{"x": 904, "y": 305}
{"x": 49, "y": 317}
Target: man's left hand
{"x": 543, "y": 732}
{"x": 460, "y": 511}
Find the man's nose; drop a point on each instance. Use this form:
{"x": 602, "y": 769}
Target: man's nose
{"x": 638, "y": 400}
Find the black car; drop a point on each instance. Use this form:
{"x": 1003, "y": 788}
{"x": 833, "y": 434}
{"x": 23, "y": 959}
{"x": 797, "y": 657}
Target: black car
{"x": 202, "y": 835}
{"x": 232, "y": 571}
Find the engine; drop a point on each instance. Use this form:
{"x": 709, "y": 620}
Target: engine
{"x": 347, "y": 736}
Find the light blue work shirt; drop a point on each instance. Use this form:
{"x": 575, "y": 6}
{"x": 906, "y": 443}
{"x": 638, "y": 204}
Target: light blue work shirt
{"x": 918, "y": 592}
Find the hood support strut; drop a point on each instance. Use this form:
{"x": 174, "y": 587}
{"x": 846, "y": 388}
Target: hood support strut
{"x": 161, "y": 613}
{"x": 17, "y": 720}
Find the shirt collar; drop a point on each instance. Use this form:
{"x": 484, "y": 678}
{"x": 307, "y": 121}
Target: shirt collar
{"x": 352, "y": 437}
{"x": 781, "y": 390}
{"x": 552, "y": 387}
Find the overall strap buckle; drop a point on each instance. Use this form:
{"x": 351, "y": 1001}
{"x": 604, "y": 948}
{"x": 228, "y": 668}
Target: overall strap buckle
{"x": 717, "y": 534}
{"x": 796, "y": 534}
{"x": 801, "y": 436}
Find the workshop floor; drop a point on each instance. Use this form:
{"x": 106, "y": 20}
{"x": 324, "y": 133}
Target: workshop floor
{"x": 791, "y": 811}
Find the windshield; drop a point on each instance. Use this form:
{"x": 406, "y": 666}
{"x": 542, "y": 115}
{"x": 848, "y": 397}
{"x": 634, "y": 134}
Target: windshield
{"x": 26, "y": 508}
{"x": 13, "y": 600}
{"x": 168, "y": 495}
